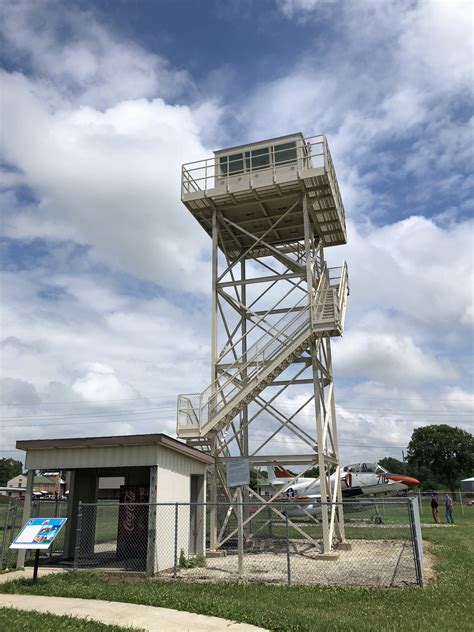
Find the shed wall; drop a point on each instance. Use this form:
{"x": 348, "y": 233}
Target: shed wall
{"x": 174, "y": 486}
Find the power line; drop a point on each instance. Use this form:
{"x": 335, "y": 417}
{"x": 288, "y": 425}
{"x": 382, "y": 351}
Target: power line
{"x": 93, "y": 414}
{"x": 94, "y": 401}
{"x": 341, "y": 410}
{"x": 111, "y": 418}
{"x": 175, "y": 396}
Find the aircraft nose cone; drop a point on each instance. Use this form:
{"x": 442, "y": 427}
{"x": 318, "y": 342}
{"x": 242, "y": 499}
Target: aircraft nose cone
{"x": 410, "y": 481}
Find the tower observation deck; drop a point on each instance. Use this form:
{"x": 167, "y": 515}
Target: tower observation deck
{"x": 270, "y": 208}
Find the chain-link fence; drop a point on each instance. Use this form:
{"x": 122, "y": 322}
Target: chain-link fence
{"x": 11, "y": 520}
{"x": 277, "y": 543}
{"x": 461, "y": 501}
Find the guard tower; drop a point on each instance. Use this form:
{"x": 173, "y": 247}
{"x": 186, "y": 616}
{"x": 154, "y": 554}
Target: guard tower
{"x": 270, "y": 208}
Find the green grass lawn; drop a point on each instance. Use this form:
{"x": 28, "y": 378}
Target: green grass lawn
{"x": 445, "y": 603}
{"x": 23, "y": 621}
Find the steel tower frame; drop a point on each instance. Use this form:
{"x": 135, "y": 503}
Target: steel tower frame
{"x": 275, "y": 306}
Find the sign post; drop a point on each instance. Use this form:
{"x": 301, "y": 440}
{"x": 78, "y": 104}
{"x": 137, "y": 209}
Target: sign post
{"x": 238, "y": 475}
{"x": 38, "y": 534}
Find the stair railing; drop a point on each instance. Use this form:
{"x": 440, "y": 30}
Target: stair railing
{"x": 198, "y": 409}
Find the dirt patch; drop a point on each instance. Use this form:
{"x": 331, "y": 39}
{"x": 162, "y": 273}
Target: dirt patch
{"x": 429, "y": 573}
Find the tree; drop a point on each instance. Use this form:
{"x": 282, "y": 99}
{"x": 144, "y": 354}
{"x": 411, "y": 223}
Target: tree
{"x": 257, "y": 478}
{"x": 392, "y": 465}
{"x": 446, "y": 450}
{"x": 9, "y": 468}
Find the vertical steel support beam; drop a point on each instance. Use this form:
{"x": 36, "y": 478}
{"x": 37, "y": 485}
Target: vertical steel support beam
{"x": 318, "y": 387}
{"x": 213, "y": 468}
{"x": 244, "y": 419}
{"x": 340, "y": 510}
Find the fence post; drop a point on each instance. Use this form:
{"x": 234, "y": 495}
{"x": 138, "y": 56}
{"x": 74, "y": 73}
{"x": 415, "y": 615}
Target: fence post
{"x": 240, "y": 536}
{"x": 78, "y": 536}
{"x": 417, "y": 541}
{"x": 420, "y": 501}
{"x": 288, "y": 561}
{"x": 175, "y": 569}
{"x": 5, "y": 527}
{"x": 461, "y": 503}
{"x": 12, "y": 535}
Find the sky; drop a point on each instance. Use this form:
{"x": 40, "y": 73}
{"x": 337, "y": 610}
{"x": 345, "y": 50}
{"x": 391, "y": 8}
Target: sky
{"x": 105, "y": 281}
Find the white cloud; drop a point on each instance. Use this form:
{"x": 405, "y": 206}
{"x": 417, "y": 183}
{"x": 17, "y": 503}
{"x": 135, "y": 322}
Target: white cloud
{"x": 100, "y": 383}
{"x": 100, "y": 151}
{"x": 86, "y": 62}
{"x": 112, "y": 178}
{"x": 414, "y": 268}
{"x": 389, "y": 359}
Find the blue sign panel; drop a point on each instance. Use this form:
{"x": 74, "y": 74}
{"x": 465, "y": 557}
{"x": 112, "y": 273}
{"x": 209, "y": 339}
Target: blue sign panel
{"x": 38, "y": 533}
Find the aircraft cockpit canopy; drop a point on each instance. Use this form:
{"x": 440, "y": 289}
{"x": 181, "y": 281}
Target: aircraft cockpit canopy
{"x": 365, "y": 468}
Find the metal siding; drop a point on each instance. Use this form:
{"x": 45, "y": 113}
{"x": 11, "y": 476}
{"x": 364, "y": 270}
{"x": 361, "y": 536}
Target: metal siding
{"x": 174, "y": 471}
{"x": 174, "y": 486}
{"x": 77, "y": 458}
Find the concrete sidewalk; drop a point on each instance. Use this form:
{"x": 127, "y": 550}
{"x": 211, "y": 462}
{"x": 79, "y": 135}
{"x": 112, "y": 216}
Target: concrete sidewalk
{"x": 27, "y": 573}
{"x": 117, "y": 613}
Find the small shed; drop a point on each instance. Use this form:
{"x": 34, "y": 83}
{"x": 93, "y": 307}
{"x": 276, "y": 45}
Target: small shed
{"x": 155, "y": 468}
{"x": 467, "y": 485}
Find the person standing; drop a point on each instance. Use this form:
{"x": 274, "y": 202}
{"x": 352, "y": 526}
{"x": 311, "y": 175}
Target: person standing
{"x": 449, "y": 509}
{"x": 434, "y": 508}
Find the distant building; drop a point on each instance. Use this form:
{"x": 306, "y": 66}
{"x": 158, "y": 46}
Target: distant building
{"x": 12, "y": 492}
{"x": 48, "y": 484}
{"x": 15, "y": 487}
{"x": 17, "y": 481}
{"x": 467, "y": 485}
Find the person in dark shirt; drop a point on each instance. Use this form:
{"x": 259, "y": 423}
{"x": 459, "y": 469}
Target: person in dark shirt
{"x": 434, "y": 508}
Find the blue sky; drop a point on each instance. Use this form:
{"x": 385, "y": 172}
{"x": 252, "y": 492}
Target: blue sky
{"x": 105, "y": 282}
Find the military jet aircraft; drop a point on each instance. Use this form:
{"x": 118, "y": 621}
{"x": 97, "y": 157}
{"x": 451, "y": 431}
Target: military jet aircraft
{"x": 357, "y": 479}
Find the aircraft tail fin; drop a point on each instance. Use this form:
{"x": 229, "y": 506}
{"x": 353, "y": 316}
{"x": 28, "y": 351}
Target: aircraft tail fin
{"x": 281, "y": 472}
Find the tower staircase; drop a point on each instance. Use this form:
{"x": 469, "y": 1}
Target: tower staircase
{"x": 203, "y": 415}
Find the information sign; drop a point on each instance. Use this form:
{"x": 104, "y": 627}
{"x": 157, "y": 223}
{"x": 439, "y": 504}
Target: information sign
{"x": 38, "y": 533}
{"x": 238, "y": 472}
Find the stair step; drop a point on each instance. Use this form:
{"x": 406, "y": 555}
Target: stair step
{"x": 326, "y": 324}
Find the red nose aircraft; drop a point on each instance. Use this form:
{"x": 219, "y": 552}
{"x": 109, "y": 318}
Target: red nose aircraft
{"x": 358, "y": 479}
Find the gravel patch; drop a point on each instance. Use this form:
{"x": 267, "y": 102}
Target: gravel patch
{"x": 369, "y": 563}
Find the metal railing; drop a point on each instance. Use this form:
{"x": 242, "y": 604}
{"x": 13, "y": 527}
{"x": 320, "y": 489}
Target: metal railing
{"x": 199, "y": 408}
{"x": 204, "y": 175}
{"x": 327, "y": 307}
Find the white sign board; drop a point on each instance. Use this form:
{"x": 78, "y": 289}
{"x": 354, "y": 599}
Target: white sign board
{"x": 238, "y": 472}
{"x": 38, "y": 533}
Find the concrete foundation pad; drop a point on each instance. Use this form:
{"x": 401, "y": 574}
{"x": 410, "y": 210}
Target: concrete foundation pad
{"x": 217, "y": 553}
{"x": 344, "y": 546}
{"x": 332, "y": 557}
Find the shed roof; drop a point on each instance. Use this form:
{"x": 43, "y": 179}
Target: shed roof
{"x": 115, "y": 441}
{"x": 468, "y": 480}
